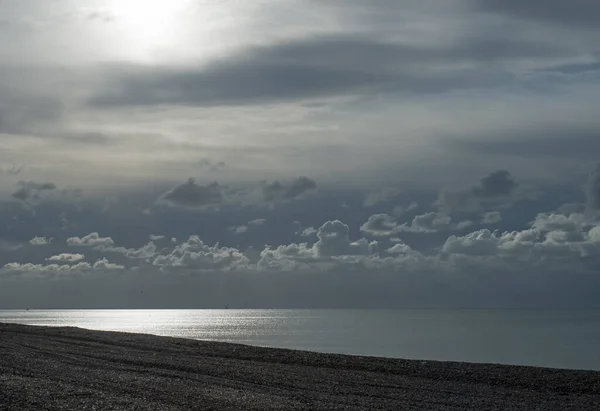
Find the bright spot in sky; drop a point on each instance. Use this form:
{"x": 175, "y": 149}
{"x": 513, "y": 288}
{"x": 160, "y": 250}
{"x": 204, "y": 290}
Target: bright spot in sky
{"x": 149, "y": 22}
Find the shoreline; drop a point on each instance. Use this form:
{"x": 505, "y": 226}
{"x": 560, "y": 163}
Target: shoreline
{"x": 72, "y": 368}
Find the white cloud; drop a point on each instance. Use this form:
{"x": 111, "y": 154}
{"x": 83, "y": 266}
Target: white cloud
{"x": 145, "y": 252}
{"x": 334, "y": 240}
{"x": 90, "y": 240}
{"x": 155, "y": 237}
{"x": 380, "y": 225}
{"x": 551, "y": 237}
{"x": 333, "y": 247}
{"x": 427, "y": 223}
{"x": 195, "y": 255}
{"x": 308, "y": 232}
{"x": 40, "y": 241}
{"x": 258, "y": 221}
{"x": 67, "y": 257}
{"x": 54, "y": 270}
{"x": 400, "y": 248}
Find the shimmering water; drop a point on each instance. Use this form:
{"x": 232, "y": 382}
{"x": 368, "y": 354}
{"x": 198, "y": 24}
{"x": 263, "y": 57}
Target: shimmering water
{"x": 564, "y": 339}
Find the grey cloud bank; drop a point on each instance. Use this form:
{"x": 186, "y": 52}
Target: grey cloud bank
{"x": 342, "y": 153}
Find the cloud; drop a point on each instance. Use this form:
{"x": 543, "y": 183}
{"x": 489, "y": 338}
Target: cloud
{"x": 212, "y": 166}
{"x": 380, "y": 225}
{"x": 12, "y": 169}
{"x": 321, "y": 66}
{"x": 155, "y": 237}
{"x": 67, "y": 257}
{"x": 145, "y": 252}
{"x": 380, "y": 196}
{"x": 195, "y": 255}
{"x": 334, "y": 249}
{"x": 496, "y": 187}
{"x": 399, "y": 248}
{"x": 245, "y": 228}
{"x": 239, "y": 229}
{"x": 427, "y": 223}
{"x": 55, "y": 270}
{"x": 384, "y": 225}
{"x": 278, "y": 191}
{"x": 40, "y": 241}
{"x": 91, "y": 240}
{"x": 30, "y": 190}
{"x": 552, "y": 237}
{"x": 334, "y": 240}
{"x": 492, "y": 217}
{"x": 309, "y": 231}
{"x": 192, "y": 195}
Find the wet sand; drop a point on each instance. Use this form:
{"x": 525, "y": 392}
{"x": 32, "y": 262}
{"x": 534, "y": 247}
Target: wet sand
{"x": 74, "y": 369}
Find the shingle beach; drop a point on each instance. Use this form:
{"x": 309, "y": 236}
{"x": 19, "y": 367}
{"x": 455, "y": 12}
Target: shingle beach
{"x": 43, "y": 368}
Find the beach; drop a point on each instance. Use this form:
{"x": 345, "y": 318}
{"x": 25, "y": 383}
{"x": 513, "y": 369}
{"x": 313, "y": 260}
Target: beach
{"x": 46, "y": 368}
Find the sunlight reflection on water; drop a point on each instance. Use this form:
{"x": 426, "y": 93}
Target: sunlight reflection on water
{"x": 566, "y": 339}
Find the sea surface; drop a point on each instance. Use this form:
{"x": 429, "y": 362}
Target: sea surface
{"x": 546, "y": 338}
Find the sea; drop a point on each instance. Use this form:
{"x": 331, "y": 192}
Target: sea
{"x": 544, "y": 338}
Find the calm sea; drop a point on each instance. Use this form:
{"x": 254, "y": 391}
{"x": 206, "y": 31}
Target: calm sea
{"x": 562, "y": 339}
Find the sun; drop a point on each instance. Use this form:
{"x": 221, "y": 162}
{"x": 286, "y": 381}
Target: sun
{"x": 149, "y": 21}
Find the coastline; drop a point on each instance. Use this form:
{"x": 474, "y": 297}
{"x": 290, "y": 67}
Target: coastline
{"x": 43, "y": 368}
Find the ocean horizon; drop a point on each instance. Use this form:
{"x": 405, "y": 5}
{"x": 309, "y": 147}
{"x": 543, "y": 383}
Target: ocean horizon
{"x": 544, "y": 338}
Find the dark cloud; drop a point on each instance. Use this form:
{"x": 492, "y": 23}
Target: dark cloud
{"x": 322, "y": 66}
{"x": 30, "y": 190}
{"x": 192, "y": 195}
{"x": 593, "y": 189}
{"x": 278, "y": 191}
{"x": 571, "y": 12}
{"x": 498, "y": 185}
{"x": 211, "y": 165}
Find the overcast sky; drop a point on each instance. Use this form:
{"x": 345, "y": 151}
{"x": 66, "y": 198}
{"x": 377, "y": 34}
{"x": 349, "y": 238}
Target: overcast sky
{"x": 299, "y": 153}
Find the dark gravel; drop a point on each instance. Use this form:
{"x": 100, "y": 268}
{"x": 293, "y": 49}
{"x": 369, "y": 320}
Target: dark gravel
{"x": 74, "y": 369}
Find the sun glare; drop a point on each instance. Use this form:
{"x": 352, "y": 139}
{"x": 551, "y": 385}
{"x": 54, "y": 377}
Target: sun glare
{"x": 149, "y": 21}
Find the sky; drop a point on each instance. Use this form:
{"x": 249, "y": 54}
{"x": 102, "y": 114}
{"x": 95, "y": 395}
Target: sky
{"x": 299, "y": 153}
